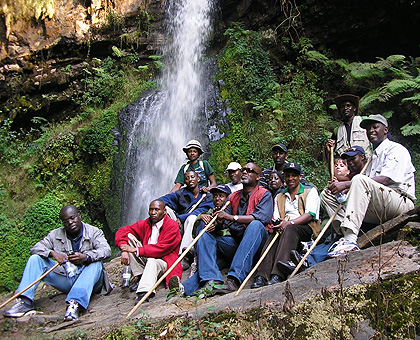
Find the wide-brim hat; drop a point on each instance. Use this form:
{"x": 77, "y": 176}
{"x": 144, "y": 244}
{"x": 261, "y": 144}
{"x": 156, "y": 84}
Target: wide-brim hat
{"x": 292, "y": 166}
{"x": 193, "y": 144}
{"x": 222, "y": 188}
{"x": 347, "y": 98}
{"x": 372, "y": 119}
{"x": 353, "y": 151}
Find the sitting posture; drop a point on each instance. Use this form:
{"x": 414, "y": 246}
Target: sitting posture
{"x": 275, "y": 184}
{"x": 246, "y": 217}
{"x": 182, "y": 207}
{"x": 203, "y": 169}
{"x": 77, "y": 245}
{"x": 150, "y": 247}
{"x": 296, "y": 217}
{"x": 387, "y": 190}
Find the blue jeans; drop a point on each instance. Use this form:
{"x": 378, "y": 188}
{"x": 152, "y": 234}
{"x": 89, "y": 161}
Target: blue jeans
{"x": 78, "y": 288}
{"x": 320, "y": 252}
{"x": 215, "y": 252}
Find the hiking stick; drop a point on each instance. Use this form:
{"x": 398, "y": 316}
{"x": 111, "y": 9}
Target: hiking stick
{"x": 259, "y": 261}
{"x": 197, "y": 204}
{"x": 176, "y": 262}
{"x": 316, "y": 241}
{"x": 365, "y": 166}
{"x": 332, "y": 163}
{"x": 36, "y": 281}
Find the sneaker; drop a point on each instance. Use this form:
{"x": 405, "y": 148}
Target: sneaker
{"x": 175, "y": 283}
{"x": 72, "y": 312}
{"x": 20, "y": 308}
{"x": 341, "y": 247}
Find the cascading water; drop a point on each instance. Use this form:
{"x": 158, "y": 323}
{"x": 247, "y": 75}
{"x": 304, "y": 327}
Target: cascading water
{"x": 167, "y": 119}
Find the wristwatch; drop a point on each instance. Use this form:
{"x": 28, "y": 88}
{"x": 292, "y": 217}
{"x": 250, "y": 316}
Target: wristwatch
{"x": 292, "y": 222}
{"x": 235, "y": 218}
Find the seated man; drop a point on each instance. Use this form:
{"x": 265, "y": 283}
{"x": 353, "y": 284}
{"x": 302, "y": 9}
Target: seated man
{"x": 81, "y": 244}
{"x": 246, "y": 218}
{"x": 300, "y": 205}
{"x": 183, "y": 209}
{"x": 150, "y": 247}
{"x": 234, "y": 173}
{"x": 279, "y": 155}
{"x": 387, "y": 190}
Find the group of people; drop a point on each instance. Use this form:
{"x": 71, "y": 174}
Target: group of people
{"x": 373, "y": 182}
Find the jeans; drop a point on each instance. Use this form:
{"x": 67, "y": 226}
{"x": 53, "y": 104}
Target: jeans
{"x": 78, "y": 288}
{"x": 211, "y": 249}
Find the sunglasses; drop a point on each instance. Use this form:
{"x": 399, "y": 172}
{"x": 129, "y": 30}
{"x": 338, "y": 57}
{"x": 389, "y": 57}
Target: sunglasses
{"x": 249, "y": 170}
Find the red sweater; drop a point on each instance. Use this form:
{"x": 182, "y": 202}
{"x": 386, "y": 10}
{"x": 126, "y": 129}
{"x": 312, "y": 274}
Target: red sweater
{"x": 166, "y": 248}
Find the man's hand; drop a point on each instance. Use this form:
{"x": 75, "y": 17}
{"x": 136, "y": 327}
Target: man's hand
{"x": 125, "y": 258}
{"x": 336, "y": 187}
{"x": 222, "y": 215}
{"x": 330, "y": 144}
{"x": 60, "y": 258}
{"x": 77, "y": 258}
{"x": 205, "y": 189}
{"x": 205, "y": 218}
{"x": 127, "y": 248}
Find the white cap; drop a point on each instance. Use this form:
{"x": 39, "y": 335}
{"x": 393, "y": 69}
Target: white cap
{"x": 233, "y": 166}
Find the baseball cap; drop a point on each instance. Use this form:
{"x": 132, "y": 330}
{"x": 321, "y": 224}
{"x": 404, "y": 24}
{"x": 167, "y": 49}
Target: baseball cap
{"x": 233, "y": 166}
{"x": 373, "y": 118}
{"x": 353, "y": 151}
{"x": 292, "y": 167}
{"x": 279, "y": 146}
{"x": 221, "y": 187}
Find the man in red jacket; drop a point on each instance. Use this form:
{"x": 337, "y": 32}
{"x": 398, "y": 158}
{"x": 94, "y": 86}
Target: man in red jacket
{"x": 150, "y": 247}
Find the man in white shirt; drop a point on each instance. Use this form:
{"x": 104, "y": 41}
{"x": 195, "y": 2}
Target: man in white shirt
{"x": 234, "y": 173}
{"x": 387, "y": 190}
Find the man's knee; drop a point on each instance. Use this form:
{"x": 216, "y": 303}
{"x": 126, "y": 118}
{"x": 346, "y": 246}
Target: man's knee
{"x": 255, "y": 227}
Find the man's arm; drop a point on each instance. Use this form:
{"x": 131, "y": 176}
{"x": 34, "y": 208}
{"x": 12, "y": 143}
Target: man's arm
{"x": 100, "y": 248}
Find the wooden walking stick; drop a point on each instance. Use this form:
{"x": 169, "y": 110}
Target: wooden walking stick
{"x": 332, "y": 163}
{"x": 176, "y": 262}
{"x": 36, "y": 281}
{"x": 197, "y": 204}
{"x": 316, "y": 241}
{"x": 260, "y": 260}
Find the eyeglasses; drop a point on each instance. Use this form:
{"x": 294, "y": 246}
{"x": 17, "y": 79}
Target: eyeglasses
{"x": 249, "y": 170}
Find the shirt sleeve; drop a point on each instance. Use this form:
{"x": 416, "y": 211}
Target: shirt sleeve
{"x": 312, "y": 203}
{"x": 264, "y": 210}
{"x": 396, "y": 164}
{"x": 180, "y": 177}
{"x": 207, "y": 168}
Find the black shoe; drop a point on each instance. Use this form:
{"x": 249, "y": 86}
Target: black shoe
{"x": 141, "y": 294}
{"x": 135, "y": 283}
{"x": 286, "y": 267}
{"x": 259, "y": 282}
{"x": 296, "y": 257}
{"x": 185, "y": 264}
{"x": 274, "y": 279}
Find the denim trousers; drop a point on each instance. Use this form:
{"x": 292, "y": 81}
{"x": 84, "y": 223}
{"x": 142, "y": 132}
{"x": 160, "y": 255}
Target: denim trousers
{"x": 215, "y": 252}
{"x": 79, "y": 287}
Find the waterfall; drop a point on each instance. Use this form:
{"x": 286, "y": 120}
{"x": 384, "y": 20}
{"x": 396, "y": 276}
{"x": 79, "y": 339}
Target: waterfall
{"x": 166, "y": 119}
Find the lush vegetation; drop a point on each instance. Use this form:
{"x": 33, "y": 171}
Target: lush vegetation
{"x": 69, "y": 162}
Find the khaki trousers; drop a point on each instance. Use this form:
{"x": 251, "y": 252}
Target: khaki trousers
{"x": 187, "y": 229}
{"x": 150, "y": 268}
{"x": 368, "y": 201}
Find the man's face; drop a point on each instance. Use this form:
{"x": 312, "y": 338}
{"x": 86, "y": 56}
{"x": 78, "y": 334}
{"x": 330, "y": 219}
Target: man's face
{"x": 347, "y": 111}
{"x": 235, "y": 176}
{"x": 219, "y": 198}
{"x": 191, "y": 179}
{"x": 355, "y": 163}
{"x": 376, "y": 133}
{"x": 292, "y": 179}
{"x": 250, "y": 174}
{"x": 157, "y": 211}
{"x": 279, "y": 156}
{"x": 192, "y": 154}
{"x": 71, "y": 220}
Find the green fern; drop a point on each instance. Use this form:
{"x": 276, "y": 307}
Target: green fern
{"x": 411, "y": 129}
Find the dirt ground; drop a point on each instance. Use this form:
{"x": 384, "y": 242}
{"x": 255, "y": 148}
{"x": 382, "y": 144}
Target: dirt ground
{"x": 106, "y": 313}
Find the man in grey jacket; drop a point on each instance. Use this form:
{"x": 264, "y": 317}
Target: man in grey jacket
{"x": 79, "y": 247}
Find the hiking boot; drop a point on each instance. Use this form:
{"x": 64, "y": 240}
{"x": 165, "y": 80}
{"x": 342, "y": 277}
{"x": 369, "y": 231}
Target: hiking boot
{"x": 72, "y": 312}
{"x": 259, "y": 282}
{"x": 231, "y": 285}
{"x": 342, "y": 247}
{"x": 287, "y": 267}
{"x": 135, "y": 283}
{"x": 184, "y": 264}
{"x": 175, "y": 283}
{"x": 22, "y": 306}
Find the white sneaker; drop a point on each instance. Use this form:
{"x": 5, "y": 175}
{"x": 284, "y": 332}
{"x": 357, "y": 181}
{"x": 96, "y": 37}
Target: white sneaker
{"x": 72, "y": 312}
{"x": 341, "y": 247}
